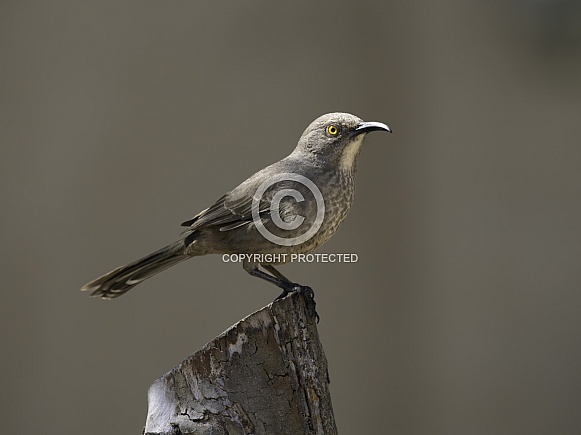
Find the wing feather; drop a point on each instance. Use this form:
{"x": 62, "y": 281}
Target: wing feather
{"x": 234, "y": 209}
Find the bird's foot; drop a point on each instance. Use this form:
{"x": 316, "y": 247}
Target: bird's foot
{"x": 307, "y": 291}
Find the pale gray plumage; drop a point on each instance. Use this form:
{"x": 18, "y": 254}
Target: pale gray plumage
{"x": 329, "y": 160}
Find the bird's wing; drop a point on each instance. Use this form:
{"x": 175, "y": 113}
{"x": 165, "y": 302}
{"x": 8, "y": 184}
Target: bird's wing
{"x": 234, "y": 209}
{"x": 224, "y": 212}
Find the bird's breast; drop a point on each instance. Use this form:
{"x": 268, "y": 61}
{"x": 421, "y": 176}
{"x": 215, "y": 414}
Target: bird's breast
{"x": 327, "y": 214}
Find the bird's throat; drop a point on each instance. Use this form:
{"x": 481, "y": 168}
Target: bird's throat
{"x": 348, "y": 160}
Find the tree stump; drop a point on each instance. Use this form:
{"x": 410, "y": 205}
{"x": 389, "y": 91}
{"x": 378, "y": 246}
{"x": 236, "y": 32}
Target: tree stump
{"x": 267, "y": 374}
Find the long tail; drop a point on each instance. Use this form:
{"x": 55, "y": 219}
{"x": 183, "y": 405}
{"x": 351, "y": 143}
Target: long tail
{"x": 124, "y": 278}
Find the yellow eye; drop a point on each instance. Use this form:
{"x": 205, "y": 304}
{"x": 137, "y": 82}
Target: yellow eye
{"x": 333, "y": 130}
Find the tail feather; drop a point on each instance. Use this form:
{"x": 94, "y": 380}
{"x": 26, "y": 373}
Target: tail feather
{"x": 124, "y": 278}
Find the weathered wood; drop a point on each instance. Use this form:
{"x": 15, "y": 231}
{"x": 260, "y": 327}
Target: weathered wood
{"x": 267, "y": 374}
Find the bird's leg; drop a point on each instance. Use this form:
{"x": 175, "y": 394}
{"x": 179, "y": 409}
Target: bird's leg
{"x": 281, "y": 281}
{"x": 275, "y": 272}
{"x": 297, "y": 287}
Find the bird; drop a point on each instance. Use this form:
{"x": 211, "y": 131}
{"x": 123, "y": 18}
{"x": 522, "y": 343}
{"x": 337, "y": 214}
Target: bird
{"x": 291, "y": 207}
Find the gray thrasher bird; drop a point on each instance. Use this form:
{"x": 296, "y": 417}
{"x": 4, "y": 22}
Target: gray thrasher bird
{"x": 290, "y": 207}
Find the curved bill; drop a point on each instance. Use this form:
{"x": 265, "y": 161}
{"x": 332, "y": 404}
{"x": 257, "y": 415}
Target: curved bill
{"x": 366, "y": 127}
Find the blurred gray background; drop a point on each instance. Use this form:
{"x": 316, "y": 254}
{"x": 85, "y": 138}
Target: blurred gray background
{"x": 121, "y": 119}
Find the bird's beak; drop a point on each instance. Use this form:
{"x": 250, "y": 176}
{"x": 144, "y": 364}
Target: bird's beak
{"x": 366, "y": 127}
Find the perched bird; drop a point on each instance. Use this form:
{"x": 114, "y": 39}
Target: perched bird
{"x": 290, "y": 207}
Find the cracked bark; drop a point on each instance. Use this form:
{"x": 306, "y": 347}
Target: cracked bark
{"x": 267, "y": 374}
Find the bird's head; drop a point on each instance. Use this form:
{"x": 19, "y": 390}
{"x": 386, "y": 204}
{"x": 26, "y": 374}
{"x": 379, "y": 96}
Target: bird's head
{"x": 336, "y": 138}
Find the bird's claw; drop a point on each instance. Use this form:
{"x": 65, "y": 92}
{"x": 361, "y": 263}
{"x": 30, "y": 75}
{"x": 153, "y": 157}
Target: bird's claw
{"x": 310, "y": 297}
